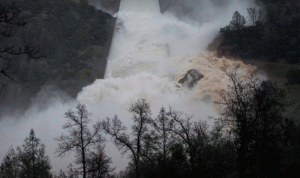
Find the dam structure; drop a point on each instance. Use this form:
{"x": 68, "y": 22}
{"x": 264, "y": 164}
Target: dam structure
{"x": 134, "y": 35}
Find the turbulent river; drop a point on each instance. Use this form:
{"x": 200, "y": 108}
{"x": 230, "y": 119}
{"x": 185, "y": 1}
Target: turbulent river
{"x": 150, "y": 53}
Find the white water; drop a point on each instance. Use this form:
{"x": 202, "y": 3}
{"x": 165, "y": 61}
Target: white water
{"x": 150, "y": 52}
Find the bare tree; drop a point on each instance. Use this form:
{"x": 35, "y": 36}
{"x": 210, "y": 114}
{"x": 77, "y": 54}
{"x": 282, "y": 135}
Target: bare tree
{"x": 10, "y": 23}
{"x": 141, "y": 119}
{"x": 184, "y": 129}
{"x": 254, "y": 15}
{"x": 238, "y": 113}
{"x": 80, "y": 139}
{"x": 253, "y": 110}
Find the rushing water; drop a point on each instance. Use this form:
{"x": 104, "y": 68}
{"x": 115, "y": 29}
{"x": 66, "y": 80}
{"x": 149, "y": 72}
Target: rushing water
{"x": 150, "y": 52}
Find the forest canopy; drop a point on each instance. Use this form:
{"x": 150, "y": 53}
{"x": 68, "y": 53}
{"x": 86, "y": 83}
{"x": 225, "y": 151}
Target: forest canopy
{"x": 272, "y": 32}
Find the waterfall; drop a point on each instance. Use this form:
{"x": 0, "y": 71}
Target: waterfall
{"x": 149, "y": 54}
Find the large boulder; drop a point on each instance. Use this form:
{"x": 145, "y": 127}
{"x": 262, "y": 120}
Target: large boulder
{"x": 191, "y": 78}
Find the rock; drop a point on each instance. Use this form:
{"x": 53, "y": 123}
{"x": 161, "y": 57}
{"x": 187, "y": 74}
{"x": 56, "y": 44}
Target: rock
{"x": 191, "y": 78}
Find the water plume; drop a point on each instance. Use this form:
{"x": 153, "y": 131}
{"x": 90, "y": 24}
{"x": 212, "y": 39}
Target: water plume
{"x": 150, "y": 53}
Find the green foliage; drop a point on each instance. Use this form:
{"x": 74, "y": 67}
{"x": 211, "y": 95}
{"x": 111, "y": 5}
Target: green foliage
{"x": 33, "y": 162}
{"x": 10, "y": 165}
{"x": 30, "y": 161}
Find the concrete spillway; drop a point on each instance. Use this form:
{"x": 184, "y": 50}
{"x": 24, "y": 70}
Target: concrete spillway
{"x": 139, "y": 6}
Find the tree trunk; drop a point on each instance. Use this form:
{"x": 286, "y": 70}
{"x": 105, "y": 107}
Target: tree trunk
{"x": 137, "y": 171}
{"x": 242, "y": 156}
{"x": 82, "y": 149}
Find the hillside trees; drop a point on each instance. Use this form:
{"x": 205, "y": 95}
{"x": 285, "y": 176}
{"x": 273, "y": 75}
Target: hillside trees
{"x": 85, "y": 143}
{"x": 254, "y": 15}
{"x": 238, "y": 21}
{"x": 29, "y": 161}
{"x": 252, "y": 138}
{"x": 201, "y": 146}
{"x": 172, "y": 145}
{"x": 254, "y": 111}
{"x": 272, "y": 33}
{"x": 241, "y": 39}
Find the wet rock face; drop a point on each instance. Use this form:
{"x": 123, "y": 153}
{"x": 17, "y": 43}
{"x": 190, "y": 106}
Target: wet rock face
{"x": 191, "y": 78}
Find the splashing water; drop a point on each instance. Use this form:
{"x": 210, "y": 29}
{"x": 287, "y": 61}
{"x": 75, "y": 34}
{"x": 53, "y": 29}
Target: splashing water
{"x": 150, "y": 52}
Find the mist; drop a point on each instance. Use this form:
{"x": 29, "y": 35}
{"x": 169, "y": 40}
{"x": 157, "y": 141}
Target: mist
{"x": 150, "y": 52}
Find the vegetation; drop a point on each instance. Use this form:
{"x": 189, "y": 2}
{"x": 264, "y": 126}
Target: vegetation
{"x": 141, "y": 138}
{"x": 52, "y": 43}
{"x": 269, "y": 39}
{"x": 272, "y": 33}
{"x": 10, "y": 22}
{"x": 254, "y": 111}
{"x": 85, "y": 143}
{"x": 253, "y": 138}
{"x": 250, "y": 140}
{"x": 29, "y": 161}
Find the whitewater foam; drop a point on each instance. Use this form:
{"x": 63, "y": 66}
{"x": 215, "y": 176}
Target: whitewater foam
{"x": 150, "y": 52}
